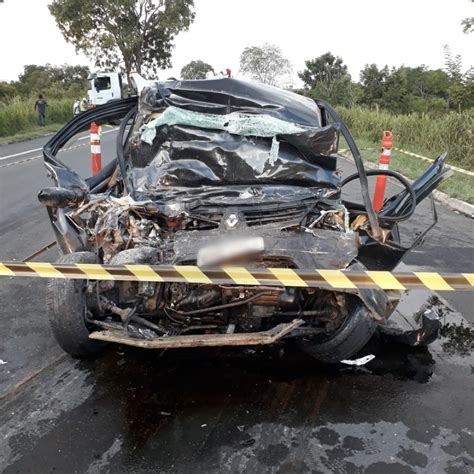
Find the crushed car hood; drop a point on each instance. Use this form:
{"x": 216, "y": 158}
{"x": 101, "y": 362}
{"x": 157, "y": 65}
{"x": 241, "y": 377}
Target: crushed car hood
{"x": 210, "y": 134}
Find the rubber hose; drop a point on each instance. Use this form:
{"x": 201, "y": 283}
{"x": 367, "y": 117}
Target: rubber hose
{"x": 364, "y": 184}
{"x": 400, "y": 178}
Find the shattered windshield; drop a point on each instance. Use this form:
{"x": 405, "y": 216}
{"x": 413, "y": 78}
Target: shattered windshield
{"x": 229, "y": 132}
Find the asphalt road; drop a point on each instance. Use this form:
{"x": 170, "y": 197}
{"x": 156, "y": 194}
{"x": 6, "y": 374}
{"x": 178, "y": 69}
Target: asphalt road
{"x": 273, "y": 410}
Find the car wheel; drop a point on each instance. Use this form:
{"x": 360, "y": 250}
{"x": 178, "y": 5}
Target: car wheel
{"x": 353, "y": 334}
{"x": 66, "y": 305}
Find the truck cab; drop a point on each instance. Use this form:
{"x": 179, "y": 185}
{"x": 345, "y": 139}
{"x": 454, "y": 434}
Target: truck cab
{"x": 104, "y": 87}
{"x": 107, "y": 86}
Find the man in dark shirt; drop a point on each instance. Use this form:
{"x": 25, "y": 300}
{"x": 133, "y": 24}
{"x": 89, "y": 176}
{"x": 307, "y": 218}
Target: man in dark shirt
{"x": 40, "y": 107}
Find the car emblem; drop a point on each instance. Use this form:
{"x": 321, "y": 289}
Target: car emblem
{"x": 231, "y": 221}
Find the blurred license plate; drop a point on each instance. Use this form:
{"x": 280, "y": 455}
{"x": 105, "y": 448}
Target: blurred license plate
{"x": 229, "y": 249}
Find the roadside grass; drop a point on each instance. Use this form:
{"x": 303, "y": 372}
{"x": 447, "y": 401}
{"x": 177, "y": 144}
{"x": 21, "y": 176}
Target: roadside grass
{"x": 420, "y": 133}
{"x": 458, "y": 185}
{"x": 17, "y": 116}
{"x": 30, "y": 134}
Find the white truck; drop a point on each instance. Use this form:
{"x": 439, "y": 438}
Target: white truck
{"x": 107, "y": 86}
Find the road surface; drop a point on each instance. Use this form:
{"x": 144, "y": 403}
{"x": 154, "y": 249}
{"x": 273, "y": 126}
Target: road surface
{"x": 272, "y": 410}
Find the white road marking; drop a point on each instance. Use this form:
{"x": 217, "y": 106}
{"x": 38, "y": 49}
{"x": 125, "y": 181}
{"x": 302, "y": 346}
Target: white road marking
{"x": 41, "y": 156}
{"x": 19, "y": 154}
{"x": 21, "y": 161}
{"x": 38, "y": 149}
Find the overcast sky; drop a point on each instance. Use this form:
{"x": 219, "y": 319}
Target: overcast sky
{"x": 410, "y": 32}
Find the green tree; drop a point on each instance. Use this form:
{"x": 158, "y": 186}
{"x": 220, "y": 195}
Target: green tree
{"x": 436, "y": 82}
{"x": 396, "y": 91}
{"x": 138, "y": 34}
{"x": 373, "y": 83}
{"x": 469, "y": 85}
{"x": 265, "y": 64}
{"x": 405, "y": 89}
{"x": 38, "y": 77}
{"x": 56, "y": 81}
{"x": 196, "y": 70}
{"x": 323, "y": 71}
{"x": 328, "y": 78}
{"x": 73, "y": 75}
{"x": 343, "y": 92}
{"x": 461, "y": 84}
{"x": 35, "y": 79}
{"x": 453, "y": 64}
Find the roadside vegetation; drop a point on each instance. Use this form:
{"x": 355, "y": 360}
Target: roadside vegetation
{"x": 458, "y": 185}
{"x": 427, "y": 110}
{"x": 60, "y": 85}
{"x": 427, "y": 135}
{"x": 116, "y": 34}
{"x": 18, "y": 117}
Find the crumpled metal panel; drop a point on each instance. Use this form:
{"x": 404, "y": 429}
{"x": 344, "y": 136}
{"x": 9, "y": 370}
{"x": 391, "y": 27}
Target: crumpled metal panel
{"x": 227, "y": 132}
{"x": 224, "y": 96}
{"x": 183, "y": 156}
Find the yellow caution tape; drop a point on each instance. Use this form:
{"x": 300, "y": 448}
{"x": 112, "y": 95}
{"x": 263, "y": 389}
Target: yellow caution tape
{"x": 241, "y": 276}
{"x": 333, "y": 279}
{"x": 288, "y": 277}
{"x": 337, "y": 279}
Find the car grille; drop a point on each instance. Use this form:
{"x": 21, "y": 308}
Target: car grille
{"x": 257, "y": 216}
{"x": 253, "y": 215}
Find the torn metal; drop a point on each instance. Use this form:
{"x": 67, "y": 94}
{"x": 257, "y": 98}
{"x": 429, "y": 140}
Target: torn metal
{"x": 225, "y": 172}
{"x": 424, "y": 328}
{"x": 202, "y": 340}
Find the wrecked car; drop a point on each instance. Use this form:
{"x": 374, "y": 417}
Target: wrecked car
{"x": 222, "y": 173}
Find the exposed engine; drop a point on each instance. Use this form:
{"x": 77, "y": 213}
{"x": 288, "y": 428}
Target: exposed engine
{"x": 125, "y": 232}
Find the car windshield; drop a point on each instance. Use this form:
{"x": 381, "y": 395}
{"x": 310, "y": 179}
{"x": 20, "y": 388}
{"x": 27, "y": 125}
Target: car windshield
{"x": 229, "y": 132}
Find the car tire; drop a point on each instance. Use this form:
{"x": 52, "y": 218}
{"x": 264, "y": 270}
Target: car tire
{"x": 66, "y": 310}
{"x": 354, "y": 333}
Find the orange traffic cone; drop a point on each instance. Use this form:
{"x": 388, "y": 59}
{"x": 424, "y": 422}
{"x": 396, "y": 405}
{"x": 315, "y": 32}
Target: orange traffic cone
{"x": 96, "y": 155}
{"x": 381, "y": 183}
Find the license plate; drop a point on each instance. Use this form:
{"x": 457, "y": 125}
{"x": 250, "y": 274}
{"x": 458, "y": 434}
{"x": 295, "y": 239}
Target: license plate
{"x": 229, "y": 249}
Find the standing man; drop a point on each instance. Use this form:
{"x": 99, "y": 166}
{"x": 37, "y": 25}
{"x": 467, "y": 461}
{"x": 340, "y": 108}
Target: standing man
{"x": 40, "y": 107}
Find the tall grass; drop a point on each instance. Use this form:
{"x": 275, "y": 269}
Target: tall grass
{"x": 432, "y": 135}
{"x": 18, "y": 115}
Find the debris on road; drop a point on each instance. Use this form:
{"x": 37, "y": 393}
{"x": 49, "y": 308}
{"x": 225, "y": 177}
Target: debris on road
{"x": 358, "y": 362}
{"x": 419, "y": 329}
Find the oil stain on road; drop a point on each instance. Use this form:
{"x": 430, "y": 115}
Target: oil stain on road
{"x": 271, "y": 410}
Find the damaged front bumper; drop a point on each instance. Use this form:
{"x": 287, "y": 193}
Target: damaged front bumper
{"x": 259, "y": 338}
